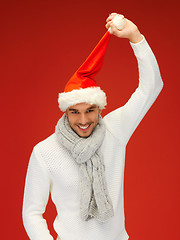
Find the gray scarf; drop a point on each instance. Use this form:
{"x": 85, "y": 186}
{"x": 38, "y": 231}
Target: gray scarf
{"x": 94, "y": 199}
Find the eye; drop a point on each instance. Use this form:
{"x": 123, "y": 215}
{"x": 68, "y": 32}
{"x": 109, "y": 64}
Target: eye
{"x": 74, "y": 112}
{"x": 90, "y": 110}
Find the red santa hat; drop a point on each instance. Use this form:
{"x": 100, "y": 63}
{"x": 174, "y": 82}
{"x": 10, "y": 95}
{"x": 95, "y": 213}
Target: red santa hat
{"x": 82, "y": 87}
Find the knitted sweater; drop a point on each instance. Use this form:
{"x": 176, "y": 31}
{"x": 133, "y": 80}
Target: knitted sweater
{"x": 52, "y": 169}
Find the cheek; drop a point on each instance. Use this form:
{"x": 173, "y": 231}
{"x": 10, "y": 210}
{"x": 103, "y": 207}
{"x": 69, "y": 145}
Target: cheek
{"x": 71, "y": 119}
{"x": 96, "y": 118}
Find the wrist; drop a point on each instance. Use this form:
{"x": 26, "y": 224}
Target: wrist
{"x": 136, "y": 37}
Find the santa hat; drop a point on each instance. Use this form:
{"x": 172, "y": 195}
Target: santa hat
{"x": 82, "y": 87}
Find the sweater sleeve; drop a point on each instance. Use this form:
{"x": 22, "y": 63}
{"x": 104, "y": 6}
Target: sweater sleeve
{"x": 36, "y": 194}
{"x": 123, "y": 121}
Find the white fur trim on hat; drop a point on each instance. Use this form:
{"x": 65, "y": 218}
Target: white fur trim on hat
{"x": 91, "y": 95}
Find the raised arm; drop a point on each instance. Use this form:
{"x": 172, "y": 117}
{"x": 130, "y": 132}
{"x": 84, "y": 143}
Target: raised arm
{"x": 36, "y": 196}
{"x": 123, "y": 121}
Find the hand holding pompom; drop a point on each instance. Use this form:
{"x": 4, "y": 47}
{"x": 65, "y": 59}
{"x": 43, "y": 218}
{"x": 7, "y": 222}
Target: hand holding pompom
{"x": 121, "y": 27}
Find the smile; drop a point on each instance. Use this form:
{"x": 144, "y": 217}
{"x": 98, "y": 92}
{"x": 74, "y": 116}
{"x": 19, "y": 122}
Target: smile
{"x": 83, "y": 128}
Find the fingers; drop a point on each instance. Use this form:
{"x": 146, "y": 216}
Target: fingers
{"x": 113, "y": 30}
{"x": 111, "y": 16}
{"x": 108, "y": 24}
{"x": 128, "y": 31}
{"x": 109, "y": 20}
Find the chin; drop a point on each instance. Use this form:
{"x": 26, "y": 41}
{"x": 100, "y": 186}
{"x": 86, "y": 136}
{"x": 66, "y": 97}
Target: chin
{"x": 84, "y": 135}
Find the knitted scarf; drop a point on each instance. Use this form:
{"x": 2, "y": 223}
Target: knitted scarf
{"x": 94, "y": 197}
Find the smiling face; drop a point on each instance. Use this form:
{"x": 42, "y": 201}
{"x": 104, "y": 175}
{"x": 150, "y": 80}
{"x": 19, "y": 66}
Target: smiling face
{"x": 83, "y": 118}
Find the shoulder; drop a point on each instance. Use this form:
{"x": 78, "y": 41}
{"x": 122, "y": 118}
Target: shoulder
{"x": 113, "y": 121}
{"x": 113, "y": 115}
{"x": 47, "y": 146}
{"x": 46, "y": 142}
{"x": 52, "y": 154}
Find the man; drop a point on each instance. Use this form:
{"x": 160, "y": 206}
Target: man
{"x": 82, "y": 163}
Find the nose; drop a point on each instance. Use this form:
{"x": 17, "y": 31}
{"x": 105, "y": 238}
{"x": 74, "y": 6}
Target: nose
{"x": 83, "y": 119}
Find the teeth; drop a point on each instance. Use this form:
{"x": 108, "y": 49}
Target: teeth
{"x": 84, "y": 127}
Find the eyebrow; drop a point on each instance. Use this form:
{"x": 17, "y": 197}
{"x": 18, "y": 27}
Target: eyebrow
{"x": 92, "y": 107}
{"x": 74, "y": 109}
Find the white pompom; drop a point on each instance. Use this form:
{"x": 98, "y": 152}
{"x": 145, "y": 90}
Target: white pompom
{"x": 119, "y": 21}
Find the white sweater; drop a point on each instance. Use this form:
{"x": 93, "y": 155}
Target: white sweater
{"x": 52, "y": 169}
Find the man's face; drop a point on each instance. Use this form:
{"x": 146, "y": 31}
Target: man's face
{"x": 83, "y": 118}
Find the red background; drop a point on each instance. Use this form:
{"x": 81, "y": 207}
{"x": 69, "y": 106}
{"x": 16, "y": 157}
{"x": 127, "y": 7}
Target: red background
{"x": 42, "y": 44}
